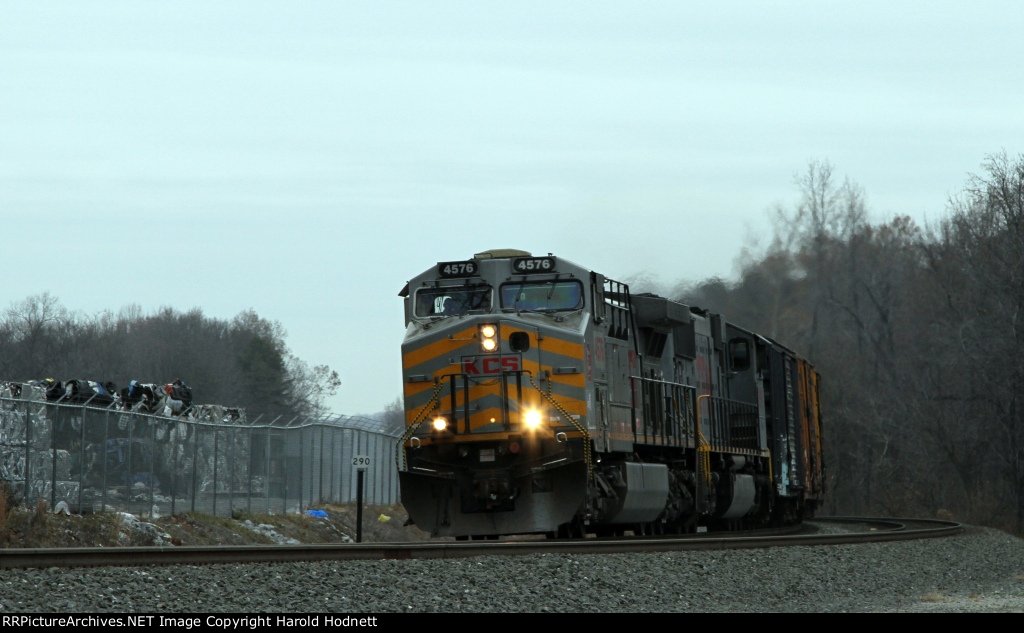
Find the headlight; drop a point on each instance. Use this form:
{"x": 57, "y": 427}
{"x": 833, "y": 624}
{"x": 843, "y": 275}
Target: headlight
{"x": 440, "y": 423}
{"x": 488, "y": 337}
{"x": 532, "y": 419}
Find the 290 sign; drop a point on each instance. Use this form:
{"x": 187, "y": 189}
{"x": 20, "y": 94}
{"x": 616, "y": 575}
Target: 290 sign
{"x": 360, "y": 462}
{"x": 456, "y": 269}
{"x": 529, "y": 265}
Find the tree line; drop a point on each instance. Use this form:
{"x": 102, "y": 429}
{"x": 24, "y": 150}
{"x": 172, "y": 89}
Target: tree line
{"x": 241, "y": 362}
{"x": 918, "y": 333}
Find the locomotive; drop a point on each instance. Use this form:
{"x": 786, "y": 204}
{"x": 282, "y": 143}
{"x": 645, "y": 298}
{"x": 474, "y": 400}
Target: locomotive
{"x": 543, "y": 397}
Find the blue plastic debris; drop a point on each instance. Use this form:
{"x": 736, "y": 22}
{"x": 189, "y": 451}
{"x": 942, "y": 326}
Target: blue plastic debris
{"x": 317, "y": 514}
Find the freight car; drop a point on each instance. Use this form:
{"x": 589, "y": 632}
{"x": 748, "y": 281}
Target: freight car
{"x": 543, "y": 397}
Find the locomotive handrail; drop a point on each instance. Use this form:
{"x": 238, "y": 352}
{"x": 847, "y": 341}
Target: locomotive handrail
{"x": 411, "y": 429}
{"x": 664, "y": 419}
{"x": 587, "y": 460}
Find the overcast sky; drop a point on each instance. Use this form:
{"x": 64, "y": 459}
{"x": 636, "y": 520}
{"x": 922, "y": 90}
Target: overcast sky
{"x": 305, "y": 159}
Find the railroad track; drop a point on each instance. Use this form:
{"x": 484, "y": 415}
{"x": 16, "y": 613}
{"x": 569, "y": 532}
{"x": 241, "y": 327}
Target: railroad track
{"x": 867, "y": 530}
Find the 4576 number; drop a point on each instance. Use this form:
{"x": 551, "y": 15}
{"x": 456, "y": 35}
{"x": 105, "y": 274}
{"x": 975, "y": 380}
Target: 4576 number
{"x": 527, "y": 265}
{"x": 457, "y": 269}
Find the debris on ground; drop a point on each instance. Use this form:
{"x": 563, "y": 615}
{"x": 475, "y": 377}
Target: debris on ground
{"x": 327, "y": 523}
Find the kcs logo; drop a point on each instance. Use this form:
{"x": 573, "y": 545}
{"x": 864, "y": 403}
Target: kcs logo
{"x": 489, "y": 365}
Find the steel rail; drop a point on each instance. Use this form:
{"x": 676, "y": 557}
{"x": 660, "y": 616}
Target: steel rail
{"x": 885, "y": 530}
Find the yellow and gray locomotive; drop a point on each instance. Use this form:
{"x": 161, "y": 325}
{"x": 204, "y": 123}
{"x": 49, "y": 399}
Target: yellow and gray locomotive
{"x": 543, "y": 397}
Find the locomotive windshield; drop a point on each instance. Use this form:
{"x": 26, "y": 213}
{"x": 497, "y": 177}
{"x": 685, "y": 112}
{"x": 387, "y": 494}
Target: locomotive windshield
{"x": 542, "y": 296}
{"x": 452, "y": 301}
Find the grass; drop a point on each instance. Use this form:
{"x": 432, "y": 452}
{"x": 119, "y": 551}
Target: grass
{"x": 40, "y": 517}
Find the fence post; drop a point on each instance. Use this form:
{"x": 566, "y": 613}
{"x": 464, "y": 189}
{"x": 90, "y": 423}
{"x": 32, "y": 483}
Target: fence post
{"x": 385, "y": 470}
{"x": 230, "y": 438}
{"x": 152, "y": 466}
{"x": 103, "y": 453}
{"x": 284, "y": 473}
{"x": 128, "y": 465}
{"x": 312, "y": 457}
{"x": 195, "y": 463}
{"x": 248, "y": 504}
{"x": 266, "y": 472}
{"x": 175, "y": 466}
{"x": 216, "y": 456}
{"x": 302, "y": 464}
{"x": 321, "y": 464}
{"x": 28, "y": 454}
{"x": 81, "y": 465}
{"x": 334, "y": 463}
{"x": 53, "y": 469}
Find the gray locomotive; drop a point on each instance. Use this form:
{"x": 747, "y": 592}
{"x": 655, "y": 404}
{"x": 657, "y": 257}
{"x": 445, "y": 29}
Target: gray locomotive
{"x": 543, "y": 397}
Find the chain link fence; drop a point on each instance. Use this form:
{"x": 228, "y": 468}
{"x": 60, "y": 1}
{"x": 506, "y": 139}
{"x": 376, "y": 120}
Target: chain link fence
{"x": 94, "y": 458}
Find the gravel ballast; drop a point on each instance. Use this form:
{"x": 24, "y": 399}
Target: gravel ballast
{"x": 980, "y": 570}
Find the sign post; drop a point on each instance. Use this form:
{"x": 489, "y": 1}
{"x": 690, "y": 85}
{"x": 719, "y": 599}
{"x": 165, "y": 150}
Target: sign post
{"x": 360, "y": 463}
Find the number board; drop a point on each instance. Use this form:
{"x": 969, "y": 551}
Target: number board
{"x": 361, "y": 462}
{"x": 533, "y": 265}
{"x": 456, "y": 269}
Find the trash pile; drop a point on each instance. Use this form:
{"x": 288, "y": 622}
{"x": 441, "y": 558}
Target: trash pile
{"x": 170, "y": 399}
{"x": 90, "y": 444}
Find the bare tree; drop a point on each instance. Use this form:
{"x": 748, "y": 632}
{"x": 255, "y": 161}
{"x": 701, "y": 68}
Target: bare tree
{"x": 244, "y": 362}
{"x": 394, "y": 417}
{"x": 977, "y": 257}
{"x": 34, "y": 326}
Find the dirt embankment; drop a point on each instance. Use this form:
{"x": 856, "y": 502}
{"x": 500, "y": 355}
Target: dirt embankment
{"x": 40, "y": 527}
